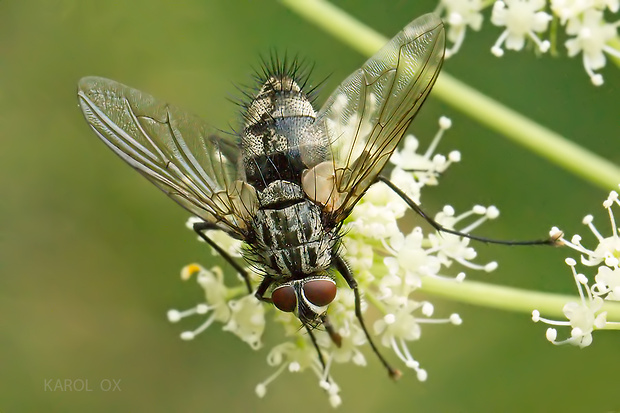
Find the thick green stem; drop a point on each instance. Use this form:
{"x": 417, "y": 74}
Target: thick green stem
{"x": 485, "y": 110}
{"x": 507, "y": 298}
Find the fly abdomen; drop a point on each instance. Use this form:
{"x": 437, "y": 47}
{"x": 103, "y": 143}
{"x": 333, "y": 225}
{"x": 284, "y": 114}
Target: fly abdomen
{"x": 277, "y": 141}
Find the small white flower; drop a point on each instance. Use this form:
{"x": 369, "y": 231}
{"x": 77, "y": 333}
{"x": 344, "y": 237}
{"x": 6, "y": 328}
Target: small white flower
{"x": 458, "y": 15}
{"x": 608, "y": 282}
{"x": 396, "y": 329}
{"x": 247, "y": 320}
{"x": 353, "y": 339}
{"x": 522, "y": 18}
{"x": 216, "y": 299}
{"x": 586, "y": 316}
{"x": 299, "y": 357}
{"x": 450, "y": 247}
{"x": 415, "y": 170}
{"x": 400, "y": 324}
{"x": 592, "y": 33}
{"x": 608, "y": 248}
{"x": 360, "y": 256}
{"x": 583, "y": 317}
{"x": 570, "y": 9}
{"x": 410, "y": 160}
{"x": 244, "y": 317}
{"x": 376, "y": 217}
{"x": 410, "y": 261}
{"x": 528, "y": 19}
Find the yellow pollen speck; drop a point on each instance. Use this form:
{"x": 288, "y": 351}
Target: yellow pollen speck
{"x": 189, "y": 270}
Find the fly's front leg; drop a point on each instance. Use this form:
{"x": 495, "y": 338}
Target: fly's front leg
{"x": 199, "y": 227}
{"x": 316, "y": 346}
{"x": 262, "y": 289}
{"x": 343, "y": 269}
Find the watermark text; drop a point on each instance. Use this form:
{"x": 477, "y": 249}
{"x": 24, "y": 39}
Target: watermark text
{"x": 81, "y": 385}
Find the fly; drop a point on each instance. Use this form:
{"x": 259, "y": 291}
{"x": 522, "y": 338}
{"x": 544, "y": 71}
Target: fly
{"x": 287, "y": 182}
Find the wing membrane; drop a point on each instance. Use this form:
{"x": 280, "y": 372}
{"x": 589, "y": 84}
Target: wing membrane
{"x": 367, "y": 115}
{"x": 178, "y": 152}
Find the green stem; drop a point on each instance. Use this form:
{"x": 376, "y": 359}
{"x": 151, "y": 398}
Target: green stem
{"x": 507, "y": 298}
{"x": 485, "y": 110}
{"x": 615, "y": 43}
{"x": 528, "y": 133}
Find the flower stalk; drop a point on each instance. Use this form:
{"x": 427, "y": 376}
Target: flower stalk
{"x": 506, "y": 298}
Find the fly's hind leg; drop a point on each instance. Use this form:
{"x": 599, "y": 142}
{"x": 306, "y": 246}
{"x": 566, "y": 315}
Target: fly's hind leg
{"x": 441, "y": 228}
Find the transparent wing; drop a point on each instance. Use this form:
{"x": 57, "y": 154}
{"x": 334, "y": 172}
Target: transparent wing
{"x": 367, "y": 115}
{"x": 178, "y": 152}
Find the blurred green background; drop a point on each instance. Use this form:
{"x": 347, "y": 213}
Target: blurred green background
{"x": 90, "y": 252}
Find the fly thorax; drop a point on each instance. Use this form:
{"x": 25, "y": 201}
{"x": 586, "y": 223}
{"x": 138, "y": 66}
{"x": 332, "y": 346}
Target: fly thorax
{"x": 290, "y": 238}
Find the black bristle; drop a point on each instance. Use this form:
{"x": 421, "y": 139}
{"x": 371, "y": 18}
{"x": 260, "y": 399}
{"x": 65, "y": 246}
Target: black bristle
{"x": 280, "y": 66}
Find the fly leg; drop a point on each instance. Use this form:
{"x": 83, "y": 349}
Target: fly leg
{"x": 441, "y": 228}
{"x": 199, "y": 227}
{"x": 316, "y": 346}
{"x": 262, "y": 289}
{"x": 343, "y": 269}
{"x": 329, "y": 328}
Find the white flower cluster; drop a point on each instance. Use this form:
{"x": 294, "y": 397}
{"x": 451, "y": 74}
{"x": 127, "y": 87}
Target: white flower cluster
{"x": 587, "y": 315}
{"x": 588, "y": 31}
{"x": 244, "y": 316}
{"x": 388, "y": 265}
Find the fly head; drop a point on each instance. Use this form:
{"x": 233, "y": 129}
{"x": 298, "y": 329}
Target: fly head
{"x": 307, "y": 298}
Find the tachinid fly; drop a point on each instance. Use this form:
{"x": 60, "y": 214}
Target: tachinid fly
{"x": 286, "y": 184}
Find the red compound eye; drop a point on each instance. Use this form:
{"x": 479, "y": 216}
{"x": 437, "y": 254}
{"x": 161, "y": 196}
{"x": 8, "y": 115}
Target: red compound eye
{"x": 284, "y": 298}
{"x": 320, "y": 292}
